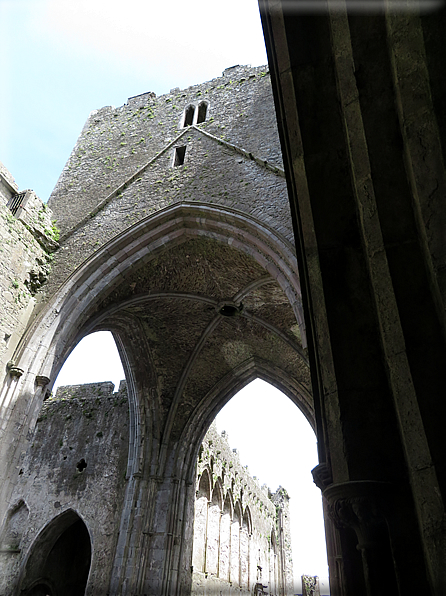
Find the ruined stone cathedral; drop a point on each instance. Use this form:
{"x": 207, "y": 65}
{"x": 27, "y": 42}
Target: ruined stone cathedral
{"x": 283, "y": 223}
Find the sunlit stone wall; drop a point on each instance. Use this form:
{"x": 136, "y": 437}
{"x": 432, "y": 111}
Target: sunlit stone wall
{"x": 242, "y": 540}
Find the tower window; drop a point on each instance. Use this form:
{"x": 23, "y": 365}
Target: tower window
{"x": 179, "y": 156}
{"x": 189, "y": 116}
{"x": 201, "y": 116}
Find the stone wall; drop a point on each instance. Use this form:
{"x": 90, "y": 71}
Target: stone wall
{"x": 116, "y": 142}
{"x": 27, "y": 239}
{"x": 178, "y": 239}
{"x": 77, "y": 463}
{"x": 242, "y": 541}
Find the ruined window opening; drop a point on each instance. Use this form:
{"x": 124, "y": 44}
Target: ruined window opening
{"x": 16, "y": 202}
{"x": 201, "y": 113}
{"x": 179, "y": 156}
{"x": 189, "y": 116}
{"x": 81, "y": 465}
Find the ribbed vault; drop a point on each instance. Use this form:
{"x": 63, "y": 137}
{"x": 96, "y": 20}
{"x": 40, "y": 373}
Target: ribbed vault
{"x": 192, "y": 317}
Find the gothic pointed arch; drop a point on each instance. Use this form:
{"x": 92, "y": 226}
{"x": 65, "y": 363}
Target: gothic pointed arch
{"x": 244, "y": 548}
{"x": 217, "y": 259}
{"x": 218, "y": 495}
{"x": 188, "y": 116}
{"x": 247, "y": 520}
{"x": 202, "y": 110}
{"x": 227, "y": 387}
{"x": 229, "y": 504}
{"x": 205, "y": 486}
{"x": 59, "y": 559}
{"x": 237, "y": 515}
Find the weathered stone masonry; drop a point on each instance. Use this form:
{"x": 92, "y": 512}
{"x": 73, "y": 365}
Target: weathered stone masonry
{"x": 242, "y": 539}
{"x": 76, "y": 465}
{"x": 120, "y": 170}
{"x": 27, "y": 241}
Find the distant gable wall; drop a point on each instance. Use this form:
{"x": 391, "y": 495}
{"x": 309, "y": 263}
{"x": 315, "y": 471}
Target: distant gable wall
{"x": 116, "y": 142}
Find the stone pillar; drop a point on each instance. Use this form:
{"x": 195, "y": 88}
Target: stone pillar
{"x": 244, "y": 553}
{"x": 234, "y": 557}
{"x": 361, "y": 506}
{"x": 323, "y": 479}
{"x": 224, "y": 559}
{"x": 365, "y": 184}
{"x": 212, "y": 541}
{"x": 200, "y": 521}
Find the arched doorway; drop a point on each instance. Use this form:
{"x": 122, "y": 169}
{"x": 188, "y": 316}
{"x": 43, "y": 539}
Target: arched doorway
{"x": 59, "y": 560}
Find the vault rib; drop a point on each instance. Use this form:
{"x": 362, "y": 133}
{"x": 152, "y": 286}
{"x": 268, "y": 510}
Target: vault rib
{"x": 254, "y": 285}
{"x": 294, "y": 345}
{"x": 179, "y": 389}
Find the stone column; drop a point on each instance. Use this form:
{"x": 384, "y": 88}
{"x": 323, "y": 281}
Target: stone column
{"x": 322, "y": 478}
{"x": 235, "y": 550}
{"x": 362, "y": 506}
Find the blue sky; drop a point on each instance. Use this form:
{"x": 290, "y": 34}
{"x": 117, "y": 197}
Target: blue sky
{"x": 61, "y": 59}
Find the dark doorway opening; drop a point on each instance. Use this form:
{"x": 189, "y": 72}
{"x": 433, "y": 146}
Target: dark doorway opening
{"x": 60, "y": 560}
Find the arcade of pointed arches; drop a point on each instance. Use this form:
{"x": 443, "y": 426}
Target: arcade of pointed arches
{"x": 224, "y": 545}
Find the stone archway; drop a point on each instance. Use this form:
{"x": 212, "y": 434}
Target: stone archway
{"x": 198, "y": 298}
{"x": 242, "y": 563}
{"x": 58, "y": 562}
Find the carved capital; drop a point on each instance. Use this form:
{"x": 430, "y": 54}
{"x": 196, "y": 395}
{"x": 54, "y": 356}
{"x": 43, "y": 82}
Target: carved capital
{"x": 42, "y": 381}
{"x": 360, "y": 505}
{"x": 322, "y": 476}
{"x": 14, "y": 370}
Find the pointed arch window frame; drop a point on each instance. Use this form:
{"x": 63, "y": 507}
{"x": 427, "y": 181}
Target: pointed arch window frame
{"x": 199, "y": 113}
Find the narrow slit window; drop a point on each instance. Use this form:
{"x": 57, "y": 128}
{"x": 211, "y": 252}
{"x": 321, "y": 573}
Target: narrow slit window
{"x": 179, "y": 156}
{"x": 201, "y": 116}
{"x": 189, "y": 116}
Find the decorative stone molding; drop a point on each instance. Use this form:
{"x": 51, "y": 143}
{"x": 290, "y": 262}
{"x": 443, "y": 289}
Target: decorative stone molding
{"x": 42, "y": 381}
{"x": 322, "y": 476}
{"x": 360, "y": 505}
{"x": 14, "y": 370}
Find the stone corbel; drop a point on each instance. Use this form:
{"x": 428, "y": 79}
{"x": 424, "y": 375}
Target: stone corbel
{"x": 322, "y": 476}
{"x": 364, "y": 506}
{"x": 42, "y": 381}
{"x": 360, "y": 505}
{"x": 14, "y": 370}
